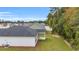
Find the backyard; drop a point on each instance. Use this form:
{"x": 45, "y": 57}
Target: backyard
{"x": 50, "y": 44}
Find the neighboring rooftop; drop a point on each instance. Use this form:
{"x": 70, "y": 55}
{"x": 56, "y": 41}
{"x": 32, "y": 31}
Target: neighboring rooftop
{"x": 40, "y": 27}
{"x": 18, "y": 31}
{"x": 27, "y": 29}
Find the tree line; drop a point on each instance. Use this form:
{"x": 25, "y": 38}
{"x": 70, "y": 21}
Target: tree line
{"x": 64, "y": 21}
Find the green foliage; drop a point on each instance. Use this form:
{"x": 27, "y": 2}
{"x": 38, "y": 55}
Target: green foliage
{"x": 64, "y": 21}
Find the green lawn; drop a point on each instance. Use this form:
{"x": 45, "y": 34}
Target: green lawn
{"x": 50, "y": 44}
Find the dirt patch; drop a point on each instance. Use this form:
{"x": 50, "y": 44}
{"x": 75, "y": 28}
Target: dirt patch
{"x": 57, "y": 36}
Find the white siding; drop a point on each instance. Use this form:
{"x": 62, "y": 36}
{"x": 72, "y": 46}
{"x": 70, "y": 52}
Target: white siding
{"x": 18, "y": 41}
{"x": 41, "y": 36}
{"x": 48, "y": 28}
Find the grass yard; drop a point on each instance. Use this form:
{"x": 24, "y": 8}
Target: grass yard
{"x": 50, "y": 44}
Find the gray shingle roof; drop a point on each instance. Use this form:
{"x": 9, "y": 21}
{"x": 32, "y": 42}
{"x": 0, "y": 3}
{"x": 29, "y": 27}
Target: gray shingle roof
{"x": 39, "y": 27}
{"x": 18, "y": 31}
{"x": 31, "y": 29}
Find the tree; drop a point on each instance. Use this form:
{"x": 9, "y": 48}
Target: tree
{"x": 64, "y": 21}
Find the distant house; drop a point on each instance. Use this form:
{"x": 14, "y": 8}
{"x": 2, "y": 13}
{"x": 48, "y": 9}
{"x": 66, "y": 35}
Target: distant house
{"x": 22, "y": 36}
{"x": 4, "y": 25}
{"x": 48, "y": 28}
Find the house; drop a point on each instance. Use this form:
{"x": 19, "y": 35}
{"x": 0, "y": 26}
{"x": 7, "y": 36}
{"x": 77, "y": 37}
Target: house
{"x": 40, "y": 28}
{"x": 22, "y": 36}
{"x": 4, "y": 25}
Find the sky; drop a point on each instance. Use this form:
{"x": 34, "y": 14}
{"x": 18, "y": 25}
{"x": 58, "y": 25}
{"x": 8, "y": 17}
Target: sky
{"x": 23, "y": 13}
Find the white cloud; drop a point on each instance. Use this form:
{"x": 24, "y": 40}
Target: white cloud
{"x": 13, "y": 17}
{"x": 4, "y": 12}
{"x": 22, "y": 18}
